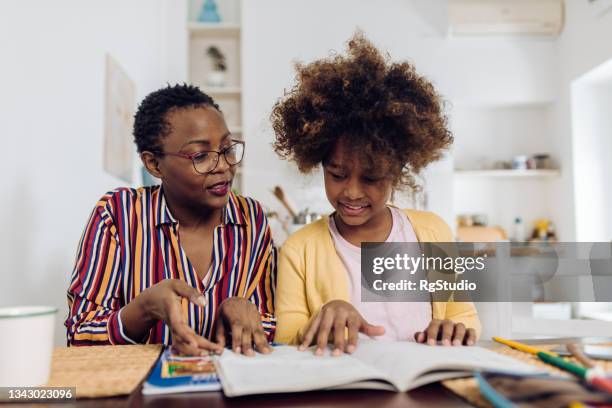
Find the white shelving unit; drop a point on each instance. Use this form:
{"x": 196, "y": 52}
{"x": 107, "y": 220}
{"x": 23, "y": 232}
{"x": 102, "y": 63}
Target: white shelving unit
{"x": 226, "y": 36}
{"x": 196, "y": 28}
{"x": 223, "y": 91}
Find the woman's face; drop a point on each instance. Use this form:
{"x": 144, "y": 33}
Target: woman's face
{"x": 195, "y": 130}
{"x": 358, "y": 194}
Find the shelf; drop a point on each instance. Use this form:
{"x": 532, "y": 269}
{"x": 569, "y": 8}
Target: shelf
{"x": 225, "y": 29}
{"x": 509, "y": 173}
{"x": 223, "y": 91}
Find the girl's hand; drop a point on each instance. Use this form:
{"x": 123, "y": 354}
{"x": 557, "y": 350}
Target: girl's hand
{"x": 241, "y": 319}
{"x": 446, "y": 332}
{"x": 330, "y": 323}
{"x": 162, "y": 301}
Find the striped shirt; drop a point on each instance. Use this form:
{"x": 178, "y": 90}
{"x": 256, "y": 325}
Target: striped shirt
{"x": 132, "y": 242}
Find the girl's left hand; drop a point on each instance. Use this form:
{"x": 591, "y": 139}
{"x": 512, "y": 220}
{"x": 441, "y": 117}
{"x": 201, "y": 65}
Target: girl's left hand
{"x": 240, "y": 319}
{"x": 447, "y": 332}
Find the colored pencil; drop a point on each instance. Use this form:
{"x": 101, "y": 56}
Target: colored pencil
{"x": 522, "y": 347}
{"x": 590, "y": 375}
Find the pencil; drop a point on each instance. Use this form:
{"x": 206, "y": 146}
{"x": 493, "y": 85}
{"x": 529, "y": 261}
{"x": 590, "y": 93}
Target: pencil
{"x": 522, "y": 347}
{"x": 563, "y": 364}
{"x": 577, "y": 404}
{"x": 591, "y": 375}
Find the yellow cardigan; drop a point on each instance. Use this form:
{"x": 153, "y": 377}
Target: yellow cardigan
{"x": 310, "y": 274}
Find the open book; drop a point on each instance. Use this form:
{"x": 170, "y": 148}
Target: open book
{"x": 399, "y": 366}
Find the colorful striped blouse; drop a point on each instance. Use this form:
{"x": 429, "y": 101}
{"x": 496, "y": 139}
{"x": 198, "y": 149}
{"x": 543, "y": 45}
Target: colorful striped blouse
{"x": 131, "y": 242}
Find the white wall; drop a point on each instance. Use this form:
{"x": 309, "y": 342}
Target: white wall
{"x": 583, "y": 45}
{"x": 592, "y": 150}
{"x": 51, "y": 109}
{"x": 484, "y": 135}
{"x": 466, "y": 71}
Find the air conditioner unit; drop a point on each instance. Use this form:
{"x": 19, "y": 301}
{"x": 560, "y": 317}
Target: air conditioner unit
{"x": 505, "y": 17}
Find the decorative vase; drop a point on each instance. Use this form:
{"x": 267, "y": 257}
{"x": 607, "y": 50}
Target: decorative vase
{"x": 216, "y": 78}
{"x": 209, "y": 13}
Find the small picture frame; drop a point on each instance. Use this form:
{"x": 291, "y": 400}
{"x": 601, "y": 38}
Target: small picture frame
{"x": 119, "y": 106}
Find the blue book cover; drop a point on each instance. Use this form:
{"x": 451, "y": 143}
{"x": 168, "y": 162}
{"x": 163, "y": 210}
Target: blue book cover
{"x": 174, "y": 373}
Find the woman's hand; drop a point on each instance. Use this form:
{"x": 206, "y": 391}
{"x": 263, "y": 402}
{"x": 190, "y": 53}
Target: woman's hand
{"x": 162, "y": 301}
{"x": 240, "y": 319}
{"x": 447, "y": 332}
{"x": 331, "y": 322}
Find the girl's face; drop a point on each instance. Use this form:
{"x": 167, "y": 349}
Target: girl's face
{"x": 196, "y": 130}
{"x": 358, "y": 194}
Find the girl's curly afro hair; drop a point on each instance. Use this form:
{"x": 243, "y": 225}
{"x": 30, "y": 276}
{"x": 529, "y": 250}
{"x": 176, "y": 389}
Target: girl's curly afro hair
{"x": 385, "y": 112}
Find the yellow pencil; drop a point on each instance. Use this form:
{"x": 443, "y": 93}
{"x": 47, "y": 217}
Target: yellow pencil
{"x": 522, "y": 347}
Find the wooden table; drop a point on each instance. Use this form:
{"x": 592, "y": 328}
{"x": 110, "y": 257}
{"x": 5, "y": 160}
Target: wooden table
{"x": 433, "y": 395}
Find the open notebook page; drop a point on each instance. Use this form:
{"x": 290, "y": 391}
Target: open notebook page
{"x": 406, "y": 363}
{"x": 288, "y": 370}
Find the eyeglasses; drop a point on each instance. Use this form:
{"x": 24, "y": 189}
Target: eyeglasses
{"x": 206, "y": 161}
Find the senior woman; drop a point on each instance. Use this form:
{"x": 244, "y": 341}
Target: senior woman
{"x": 187, "y": 263}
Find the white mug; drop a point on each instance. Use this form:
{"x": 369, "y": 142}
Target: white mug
{"x": 26, "y": 345}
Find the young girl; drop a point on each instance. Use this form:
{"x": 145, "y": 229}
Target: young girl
{"x": 187, "y": 263}
{"x": 372, "y": 125}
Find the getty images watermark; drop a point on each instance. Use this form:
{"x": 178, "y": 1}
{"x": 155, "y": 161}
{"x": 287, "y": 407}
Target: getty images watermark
{"x": 486, "y": 272}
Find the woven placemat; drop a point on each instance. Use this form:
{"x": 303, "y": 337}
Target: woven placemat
{"x": 467, "y": 388}
{"x": 102, "y": 371}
